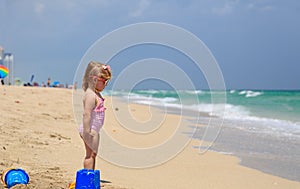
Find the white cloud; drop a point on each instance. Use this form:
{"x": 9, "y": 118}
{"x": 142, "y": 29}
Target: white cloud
{"x": 227, "y": 8}
{"x": 267, "y": 8}
{"x": 39, "y": 8}
{"x": 250, "y": 5}
{"x": 222, "y": 10}
{"x": 142, "y": 6}
{"x": 261, "y": 5}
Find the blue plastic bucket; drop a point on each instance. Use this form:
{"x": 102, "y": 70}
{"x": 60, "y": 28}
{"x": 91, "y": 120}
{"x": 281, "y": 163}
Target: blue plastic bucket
{"x": 15, "y": 176}
{"x": 87, "y": 179}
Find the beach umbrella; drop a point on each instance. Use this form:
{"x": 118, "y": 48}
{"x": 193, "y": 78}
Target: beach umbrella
{"x": 31, "y": 79}
{"x": 56, "y": 83}
{"x": 3, "y": 71}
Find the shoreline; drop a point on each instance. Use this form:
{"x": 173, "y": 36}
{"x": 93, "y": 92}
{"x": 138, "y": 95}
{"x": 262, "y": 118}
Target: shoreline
{"x": 278, "y": 156}
{"x": 40, "y": 135}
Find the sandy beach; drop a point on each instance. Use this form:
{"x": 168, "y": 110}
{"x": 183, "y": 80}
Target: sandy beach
{"x": 39, "y": 134}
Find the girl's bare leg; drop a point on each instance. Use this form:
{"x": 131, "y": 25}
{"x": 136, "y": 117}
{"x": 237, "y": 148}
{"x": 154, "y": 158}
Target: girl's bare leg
{"x": 91, "y": 151}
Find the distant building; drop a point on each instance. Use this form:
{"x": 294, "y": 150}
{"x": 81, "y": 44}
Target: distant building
{"x": 1, "y": 55}
{"x": 8, "y": 62}
{"x": 7, "y": 59}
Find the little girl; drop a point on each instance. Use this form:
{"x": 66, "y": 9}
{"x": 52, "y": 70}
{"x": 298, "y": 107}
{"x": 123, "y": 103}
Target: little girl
{"x": 94, "y": 81}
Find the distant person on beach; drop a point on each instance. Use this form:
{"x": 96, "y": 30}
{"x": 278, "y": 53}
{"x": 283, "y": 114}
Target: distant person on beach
{"x": 94, "y": 81}
{"x": 75, "y": 86}
{"x": 48, "y": 82}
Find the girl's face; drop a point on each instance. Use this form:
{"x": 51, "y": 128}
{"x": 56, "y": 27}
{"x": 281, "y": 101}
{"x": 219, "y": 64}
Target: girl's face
{"x": 101, "y": 83}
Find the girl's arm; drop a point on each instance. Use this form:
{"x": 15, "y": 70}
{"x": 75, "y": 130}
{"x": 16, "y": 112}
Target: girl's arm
{"x": 89, "y": 105}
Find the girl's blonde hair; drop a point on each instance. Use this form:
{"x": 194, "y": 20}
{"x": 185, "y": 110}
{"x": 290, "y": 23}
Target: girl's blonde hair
{"x": 95, "y": 69}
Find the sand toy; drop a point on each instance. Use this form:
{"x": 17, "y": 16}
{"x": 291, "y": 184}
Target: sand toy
{"x": 12, "y": 177}
{"x": 87, "y": 179}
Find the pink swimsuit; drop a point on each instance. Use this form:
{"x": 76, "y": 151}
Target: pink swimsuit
{"x": 97, "y": 116}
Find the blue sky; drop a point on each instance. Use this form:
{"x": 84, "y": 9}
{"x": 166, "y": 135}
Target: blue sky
{"x": 255, "y": 42}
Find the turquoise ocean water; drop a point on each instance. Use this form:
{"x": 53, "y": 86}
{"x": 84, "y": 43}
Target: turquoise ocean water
{"x": 258, "y": 110}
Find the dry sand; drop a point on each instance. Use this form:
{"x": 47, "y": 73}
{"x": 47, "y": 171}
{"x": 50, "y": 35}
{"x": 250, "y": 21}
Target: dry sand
{"x": 39, "y": 134}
